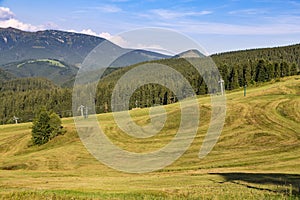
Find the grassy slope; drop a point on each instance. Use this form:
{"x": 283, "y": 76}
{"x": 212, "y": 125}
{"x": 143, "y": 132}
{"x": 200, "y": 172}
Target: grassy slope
{"x": 256, "y": 157}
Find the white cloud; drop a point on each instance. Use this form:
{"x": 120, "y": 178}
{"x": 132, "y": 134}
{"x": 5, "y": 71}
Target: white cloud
{"x": 153, "y": 47}
{"x": 248, "y": 12}
{"x": 105, "y": 35}
{"x": 234, "y": 29}
{"x": 89, "y": 32}
{"x": 19, "y": 25}
{"x": 170, "y": 14}
{"x": 93, "y": 33}
{"x": 6, "y": 14}
{"x": 105, "y": 8}
{"x": 118, "y": 40}
{"x": 109, "y": 9}
{"x": 8, "y": 19}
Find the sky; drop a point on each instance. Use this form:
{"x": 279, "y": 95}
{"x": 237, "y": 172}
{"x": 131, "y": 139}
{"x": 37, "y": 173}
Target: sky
{"x": 218, "y": 26}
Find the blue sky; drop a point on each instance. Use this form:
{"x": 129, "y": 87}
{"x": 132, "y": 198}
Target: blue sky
{"x": 218, "y": 26}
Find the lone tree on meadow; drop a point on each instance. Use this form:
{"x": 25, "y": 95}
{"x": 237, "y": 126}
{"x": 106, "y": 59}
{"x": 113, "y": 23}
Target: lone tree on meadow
{"x": 46, "y": 126}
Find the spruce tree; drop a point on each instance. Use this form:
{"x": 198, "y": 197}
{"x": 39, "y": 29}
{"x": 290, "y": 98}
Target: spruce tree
{"x": 293, "y": 69}
{"x": 55, "y": 125}
{"x": 260, "y": 71}
{"x": 45, "y": 127}
{"x": 234, "y": 79}
{"x": 41, "y": 128}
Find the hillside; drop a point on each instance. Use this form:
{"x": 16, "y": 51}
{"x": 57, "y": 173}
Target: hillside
{"x": 256, "y": 157}
{"x": 288, "y": 54}
{"x": 17, "y": 45}
{"x": 56, "y": 71}
{"x": 237, "y": 69}
{"x": 59, "y": 100}
{"x": 189, "y": 54}
{"x": 5, "y": 76}
{"x": 234, "y": 76}
{"x": 72, "y": 48}
{"x": 43, "y": 53}
{"x": 26, "y": 84}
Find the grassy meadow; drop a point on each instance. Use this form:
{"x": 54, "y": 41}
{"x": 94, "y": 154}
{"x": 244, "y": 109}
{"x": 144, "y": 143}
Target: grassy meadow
{"x": 257, "y": 155}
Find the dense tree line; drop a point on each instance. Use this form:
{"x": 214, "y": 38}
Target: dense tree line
{"x": 24, "y": 97}
{"x": 235, "y": 76}
{"x": 26, "y": 84}
{"x": 251, "y": 72}
{"x": 151, "y": 94}
{"x": 289, "y": 54}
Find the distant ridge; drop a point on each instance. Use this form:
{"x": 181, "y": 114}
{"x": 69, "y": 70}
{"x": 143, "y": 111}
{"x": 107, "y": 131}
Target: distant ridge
{"x": 17, "y": 45}
{"x": 69, "y": 47}
{"x": 193, "y": 53}
{"x": 56, "y": 56}
{"x": 56, "y": 71}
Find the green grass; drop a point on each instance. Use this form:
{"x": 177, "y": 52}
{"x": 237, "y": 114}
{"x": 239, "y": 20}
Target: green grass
{"x": 256, "y": 157}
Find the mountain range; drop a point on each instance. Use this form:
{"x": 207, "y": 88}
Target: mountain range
{"x": 56, "y": 55}
{"x": 46, "y": 78}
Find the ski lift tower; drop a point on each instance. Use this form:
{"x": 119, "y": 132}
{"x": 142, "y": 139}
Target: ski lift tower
{"x": 15, "y": 119}
{"x": 86, "y": 112}
{"x": 221, "y": 82}
{"x": 81, "y": 107}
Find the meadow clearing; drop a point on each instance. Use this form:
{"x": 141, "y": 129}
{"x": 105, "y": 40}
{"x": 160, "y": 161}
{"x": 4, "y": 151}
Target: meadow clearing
{"x": 257, "y": 155}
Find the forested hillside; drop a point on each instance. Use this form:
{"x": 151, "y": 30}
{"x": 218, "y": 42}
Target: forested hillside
{"x": 150, "y": 94}
{"x": 4, "y": 76}
{"x": 23, "y": 97}
{"x": 289, "y": 54}
{"x": 54, "y": 70}
{"x": 257, "y": 65}
{"x": 27, "y": 84}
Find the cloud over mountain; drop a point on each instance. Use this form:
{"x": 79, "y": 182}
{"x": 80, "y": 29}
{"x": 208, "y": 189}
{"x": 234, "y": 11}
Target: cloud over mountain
{"x": 6, "y": 14}
{"x": 8, "y": 19}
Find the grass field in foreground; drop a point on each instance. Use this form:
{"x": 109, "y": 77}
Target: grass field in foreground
{"x": 256, "y": 157}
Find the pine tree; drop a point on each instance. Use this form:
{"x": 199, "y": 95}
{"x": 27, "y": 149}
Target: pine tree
{"x": 270, "y": 71}
{"x": 45, "y": 127}
{"x": 247, "y": 74}
{"x": 234, "y": 79}
{"x": 260, "y": 71}
{"x": 41, "y": 129}
{"x": 276, "y": 70}
{"x": 294, "y": 70}
{"x": 55, "y": 125}
{"x": 285, "y": 69}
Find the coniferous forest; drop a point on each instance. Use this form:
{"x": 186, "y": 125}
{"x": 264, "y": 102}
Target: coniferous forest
{"x": 23, "y": 97}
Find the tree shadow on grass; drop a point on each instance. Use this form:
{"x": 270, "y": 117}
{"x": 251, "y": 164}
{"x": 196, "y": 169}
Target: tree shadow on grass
{"x": 286, "y": 180}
